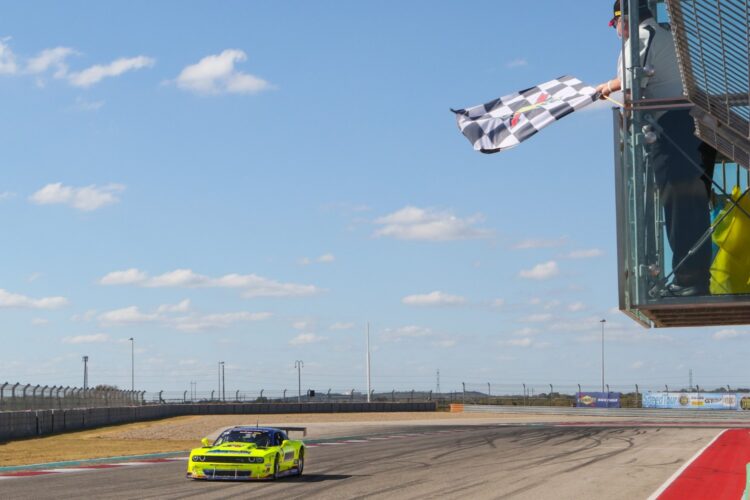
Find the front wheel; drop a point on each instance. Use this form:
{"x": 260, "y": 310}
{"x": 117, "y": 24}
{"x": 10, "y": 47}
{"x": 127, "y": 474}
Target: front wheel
{"x": 301, "y": 461}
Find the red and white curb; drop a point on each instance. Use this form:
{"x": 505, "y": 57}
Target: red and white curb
{"x": 85, "y": 468}
{"x": 144, "y": 462}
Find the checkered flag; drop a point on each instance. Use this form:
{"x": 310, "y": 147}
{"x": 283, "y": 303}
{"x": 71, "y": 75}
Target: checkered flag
{"x": 510, "y": 120}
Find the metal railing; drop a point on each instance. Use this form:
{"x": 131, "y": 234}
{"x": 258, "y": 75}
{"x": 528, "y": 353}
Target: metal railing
{"x": 18, "y": 396}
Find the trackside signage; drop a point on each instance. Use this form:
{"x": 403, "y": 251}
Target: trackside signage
{"x": 691, "y": 400}
{"x": 598, "y": 399}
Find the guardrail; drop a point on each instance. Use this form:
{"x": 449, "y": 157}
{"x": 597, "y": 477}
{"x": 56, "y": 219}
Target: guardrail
{"x": 640, "y": 413}
{"x": 25, "y": 424}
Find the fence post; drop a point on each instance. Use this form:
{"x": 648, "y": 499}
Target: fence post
{"x": 284, "y": 397}
{"x": 393, "y": 396}
{"x": 430, "y": 397}
{"x": 261, "y": 395}
{"x": 2, "y": 395}
{"x": 463, "y": 384}
{"x": 329, "y": 393}
{"x": 636, "y": 396}
{"x": 161, "y": 400}
{"x": 352, "y": 395}
{"x": 411, "y": 398}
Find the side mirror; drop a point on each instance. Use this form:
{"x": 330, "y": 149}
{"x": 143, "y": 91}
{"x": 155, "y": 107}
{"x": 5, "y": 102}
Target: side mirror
{"x": 285, "y": 442}
{"x": 206, "y": 443}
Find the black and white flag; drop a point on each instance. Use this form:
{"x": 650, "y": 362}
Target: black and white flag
{"x": 506, "y": 122}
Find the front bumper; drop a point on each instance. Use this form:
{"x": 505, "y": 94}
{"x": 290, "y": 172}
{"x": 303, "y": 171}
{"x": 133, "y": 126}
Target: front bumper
{"x": 224, "y": 473}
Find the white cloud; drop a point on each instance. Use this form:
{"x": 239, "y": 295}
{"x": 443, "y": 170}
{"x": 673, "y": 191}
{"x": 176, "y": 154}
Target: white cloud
{"x": 85, "y": 198}
{"x": 7, "y": 195}
{"x": 194, "y": 323}
{"x": 178, "y": 278}
{"x": 87, "y": 339}
{"x": 164, "y": 315}
{"x": 97, "y": 73}
{"x": 524, "y": 342}
{"x": 251, "y": 285}
{"x": 498, "y": 303}
{"x": 405, "y": 332}
{"x": 576, "y": 306}
{"x": 39, "y": 322}
{"x": 435, "y": 298}
{"x": 413, "y": 223}
{"x": 306, "y": 338}
{"x": 729, "y": 334}
{"x": 216, "y": 74}
{"x": 8, "y": 64}
{"x": 536, "y": 318}
{"x": 87, "y": 316}
{"x": 181, "y": 307}
{"x": 326, "y": 258}
{"x": 536, "y": 243}
{"x": 17, "y": 301}
{"x": 517, "y": 63}
{"x": 524, "y": 332}
{"x": 342, "y": 326}
{"x": 637, "y": 365}
{"x": 127, "y": 277}
{"x": 585, "y": 254}
{"x": 300, "y": 325}
{"x": 126, "y": 315}
{"x": 86, "y": 105}
{"x": 445, "y": 344}
{"x": 543, "y": 271}
{"x": 50, "y": 58}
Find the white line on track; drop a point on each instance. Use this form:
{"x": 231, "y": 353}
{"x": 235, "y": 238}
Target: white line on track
{"x": 674, "y": 476}
{"x": 71, "y": 469}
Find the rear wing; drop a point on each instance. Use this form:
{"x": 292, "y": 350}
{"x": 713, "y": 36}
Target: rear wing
{"x": 303, "y": 430}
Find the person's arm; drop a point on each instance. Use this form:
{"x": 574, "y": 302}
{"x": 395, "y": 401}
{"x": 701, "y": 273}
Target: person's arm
{"x": 606, "y": 88}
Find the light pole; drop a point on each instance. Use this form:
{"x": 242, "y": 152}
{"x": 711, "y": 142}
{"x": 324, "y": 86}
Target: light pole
{"x": 223, "y": 385}
{"x": 85, "y": 373}
{"x": 132, "y": 364}
{"x": 298, "y": 365}
{"x": 369, "y": 380}
{"x": 524, "y": 394}
{"x": 602, "y": 322}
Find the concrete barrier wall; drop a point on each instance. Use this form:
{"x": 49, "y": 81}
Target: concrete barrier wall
{"x": 25, "y": 424}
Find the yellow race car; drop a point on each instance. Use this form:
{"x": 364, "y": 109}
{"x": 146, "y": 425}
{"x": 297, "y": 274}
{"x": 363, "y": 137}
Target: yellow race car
{"x": 246, "y": 453}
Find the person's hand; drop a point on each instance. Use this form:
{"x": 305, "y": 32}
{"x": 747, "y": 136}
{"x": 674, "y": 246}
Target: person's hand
{"x": 604, "y": 89}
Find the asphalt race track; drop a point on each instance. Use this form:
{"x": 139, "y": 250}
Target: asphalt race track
{"x": 526, "y": 461}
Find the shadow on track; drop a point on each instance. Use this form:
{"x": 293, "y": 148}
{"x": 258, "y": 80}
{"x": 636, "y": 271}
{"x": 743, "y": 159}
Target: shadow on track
{"x": 317, "y": 478}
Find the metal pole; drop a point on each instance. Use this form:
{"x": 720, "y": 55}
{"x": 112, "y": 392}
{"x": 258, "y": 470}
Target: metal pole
{"x": 298, "y": 365}
{"x": 368, "y": 362}
{"x": 602, "y": 322}
{"x": 463, "y": 398}
{"x": 132, "y": 364}
{"x": 219, "y": 380}
{"x": 524, "y": 394}
{"x": 489, "y": 392}
{"x": 85, "y": 373}
{"x": 223, "y": 384}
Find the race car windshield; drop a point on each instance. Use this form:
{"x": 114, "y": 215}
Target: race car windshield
{"x": 261, "y": 439}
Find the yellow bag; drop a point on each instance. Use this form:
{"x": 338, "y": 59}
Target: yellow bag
{"x": 730, "y": 271}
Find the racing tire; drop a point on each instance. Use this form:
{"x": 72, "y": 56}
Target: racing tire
{"x": 276, "y": 466}
{"x": 301, "y": 462}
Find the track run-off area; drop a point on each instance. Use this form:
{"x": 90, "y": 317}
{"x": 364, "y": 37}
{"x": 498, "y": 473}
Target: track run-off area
{"x": 459, "y": 458}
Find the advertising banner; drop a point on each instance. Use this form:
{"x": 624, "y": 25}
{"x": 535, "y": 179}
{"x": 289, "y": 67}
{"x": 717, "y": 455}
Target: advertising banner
{"x": 691, "y": 400}
{"x": 598, "y": 399}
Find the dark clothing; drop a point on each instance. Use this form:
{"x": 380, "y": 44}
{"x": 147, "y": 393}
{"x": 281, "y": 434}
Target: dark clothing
{"x": 684, "y": 188}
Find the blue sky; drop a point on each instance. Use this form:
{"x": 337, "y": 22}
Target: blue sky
{"x": 253, "y": 181}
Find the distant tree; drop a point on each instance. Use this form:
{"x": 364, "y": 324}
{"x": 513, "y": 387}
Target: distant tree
{"x": 105, "y": 387}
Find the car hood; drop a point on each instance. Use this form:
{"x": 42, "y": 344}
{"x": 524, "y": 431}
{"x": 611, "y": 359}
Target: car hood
{"x": 248, "y": 449}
